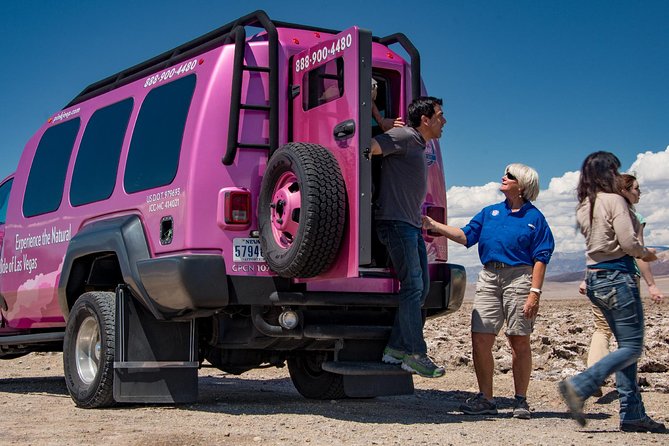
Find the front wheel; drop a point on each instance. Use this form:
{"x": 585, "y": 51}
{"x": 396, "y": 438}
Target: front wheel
{"x": 88, "y": 350}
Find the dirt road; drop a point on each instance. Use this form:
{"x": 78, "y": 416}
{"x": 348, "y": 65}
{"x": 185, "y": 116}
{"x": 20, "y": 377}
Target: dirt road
{"x": 262, "y": 406}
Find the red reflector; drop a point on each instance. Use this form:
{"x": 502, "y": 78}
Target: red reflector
{"x": 201, "y": 61}
{"x": 318, "y": 35}
{"x": 238, "y": 208}
{"x": 296, "y": 41}
{"x": 390, "y": 55}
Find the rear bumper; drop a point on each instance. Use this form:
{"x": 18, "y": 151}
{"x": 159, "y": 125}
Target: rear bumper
{"x": 447, "y": 290}
{"x": 185, "y": 285}
{"x": 193, "y": 285}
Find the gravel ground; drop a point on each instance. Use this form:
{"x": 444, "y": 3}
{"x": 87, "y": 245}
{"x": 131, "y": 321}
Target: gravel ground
{"x": 262, "y": 406}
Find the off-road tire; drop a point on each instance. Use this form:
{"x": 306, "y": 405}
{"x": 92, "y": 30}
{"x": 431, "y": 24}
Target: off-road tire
{"x": 310, "y": 249}
{"x": 88, "y": 350}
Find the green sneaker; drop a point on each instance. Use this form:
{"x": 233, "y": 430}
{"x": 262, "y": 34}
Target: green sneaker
{"x": 422, "y": 365}
{"x": 393, "y": 356}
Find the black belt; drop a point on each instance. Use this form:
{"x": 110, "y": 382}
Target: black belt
{"x": 497, "y": 265}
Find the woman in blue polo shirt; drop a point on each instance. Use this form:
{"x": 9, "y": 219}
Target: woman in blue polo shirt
{"x": 515, "y": 245}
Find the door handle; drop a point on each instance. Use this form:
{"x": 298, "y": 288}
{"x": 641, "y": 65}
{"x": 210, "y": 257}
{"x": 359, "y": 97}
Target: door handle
{"x": 344, "y": 130}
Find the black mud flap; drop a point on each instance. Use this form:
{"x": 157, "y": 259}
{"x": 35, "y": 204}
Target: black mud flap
{"x": 370, "y": 379}
{"x": 155, "y": 361}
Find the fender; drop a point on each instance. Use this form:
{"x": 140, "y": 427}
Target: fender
{"x": 122, "y": 235}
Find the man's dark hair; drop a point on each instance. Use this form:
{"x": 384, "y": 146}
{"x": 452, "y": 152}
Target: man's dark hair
{"x": 420, "y": 106}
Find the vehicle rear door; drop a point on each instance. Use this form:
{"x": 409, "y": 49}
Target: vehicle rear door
{"x": 331, "y": 106}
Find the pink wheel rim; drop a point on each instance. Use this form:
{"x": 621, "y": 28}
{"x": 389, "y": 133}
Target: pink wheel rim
{"x": 285, "y": 210}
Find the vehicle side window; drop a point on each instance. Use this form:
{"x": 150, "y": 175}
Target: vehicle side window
{"x": 4, "y": 199}
{"x": 323, "y": 84}
{"x": 97, "y": 160}
{"x": 44, "y": 190}
{"x": 156, "y": 141}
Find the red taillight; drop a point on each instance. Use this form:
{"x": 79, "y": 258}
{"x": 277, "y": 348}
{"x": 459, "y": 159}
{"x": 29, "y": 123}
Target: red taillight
{"x": 237, "y": 208}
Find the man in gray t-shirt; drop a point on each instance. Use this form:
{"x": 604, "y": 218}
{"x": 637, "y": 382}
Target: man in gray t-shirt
{"x": 403, "y": 182}
{"x": 402, "y": 189}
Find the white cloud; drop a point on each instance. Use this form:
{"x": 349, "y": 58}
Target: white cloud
{"x": 558, "y": 204}
{"x": 652, "y": 171}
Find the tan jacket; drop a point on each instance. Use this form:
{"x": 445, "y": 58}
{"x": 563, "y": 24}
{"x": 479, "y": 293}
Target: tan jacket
{"x": 614, "y": 229}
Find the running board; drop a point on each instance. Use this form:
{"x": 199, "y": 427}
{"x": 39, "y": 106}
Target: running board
{"x": 27, "y": 339}
{"x": 363, "y": 368}
{"x": 370, "y": 379}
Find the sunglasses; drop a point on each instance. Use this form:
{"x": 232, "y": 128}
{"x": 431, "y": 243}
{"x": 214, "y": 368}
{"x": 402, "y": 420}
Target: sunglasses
{"x": 510, "y": 176}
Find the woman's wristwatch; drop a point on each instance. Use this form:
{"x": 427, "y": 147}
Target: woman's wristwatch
{"x": 536, "y": 290}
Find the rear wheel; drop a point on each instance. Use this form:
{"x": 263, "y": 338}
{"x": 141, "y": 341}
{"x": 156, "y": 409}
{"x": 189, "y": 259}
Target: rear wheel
{"x": 301, "y": 210}
{"x": 88, "y": 350}
{"x": 312, "y": 381}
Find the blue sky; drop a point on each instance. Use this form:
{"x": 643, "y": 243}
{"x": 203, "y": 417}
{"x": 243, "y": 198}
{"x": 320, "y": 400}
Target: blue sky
{"x": 538, "y": 82}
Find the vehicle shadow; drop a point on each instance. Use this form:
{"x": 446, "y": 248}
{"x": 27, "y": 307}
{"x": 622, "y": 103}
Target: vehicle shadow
{"x": 233, "y": 395}
{"x": 237, "y": 396}
{"x": 52, "y": 385}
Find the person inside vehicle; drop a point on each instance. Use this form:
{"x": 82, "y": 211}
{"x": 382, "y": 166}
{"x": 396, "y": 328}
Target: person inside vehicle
{"x": 384, "y": 123}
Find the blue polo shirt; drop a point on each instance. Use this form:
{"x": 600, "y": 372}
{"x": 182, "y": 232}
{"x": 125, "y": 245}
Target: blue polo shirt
{"x": 515, "y": 238}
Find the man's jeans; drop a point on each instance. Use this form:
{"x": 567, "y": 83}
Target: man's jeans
{"x": 617, "y": 295}
{"x": 406, "y": 248}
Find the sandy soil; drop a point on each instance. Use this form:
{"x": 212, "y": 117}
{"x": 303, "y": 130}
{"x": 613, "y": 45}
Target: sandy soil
{"x": 262, "y": 407}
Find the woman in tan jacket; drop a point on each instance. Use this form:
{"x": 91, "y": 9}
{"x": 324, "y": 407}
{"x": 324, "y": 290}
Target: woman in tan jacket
{"x": 612, "y": 244}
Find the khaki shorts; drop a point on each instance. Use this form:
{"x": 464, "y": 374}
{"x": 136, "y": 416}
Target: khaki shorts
{"x": 500, "y": 296}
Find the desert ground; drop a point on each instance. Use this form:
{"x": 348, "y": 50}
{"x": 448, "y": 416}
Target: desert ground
{"x": 263, "y": 408}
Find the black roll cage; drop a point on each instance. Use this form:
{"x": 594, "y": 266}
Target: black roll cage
{"x": 233, "y": 32}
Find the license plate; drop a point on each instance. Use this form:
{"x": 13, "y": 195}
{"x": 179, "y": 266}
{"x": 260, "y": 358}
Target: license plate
{"x": 246, "y": 250}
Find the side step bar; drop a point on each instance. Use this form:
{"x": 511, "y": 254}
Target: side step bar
{"x": 27, "y": 339}
{"x": 362, "y": 368}
{"x": 371, "y": 379}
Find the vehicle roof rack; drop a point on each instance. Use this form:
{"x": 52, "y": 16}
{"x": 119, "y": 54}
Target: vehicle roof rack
{"x": 219, "y": 37}
{"x": 233, "y": 32}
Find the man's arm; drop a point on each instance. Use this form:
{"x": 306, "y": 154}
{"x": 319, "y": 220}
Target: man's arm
{"x": 376, "y": 148}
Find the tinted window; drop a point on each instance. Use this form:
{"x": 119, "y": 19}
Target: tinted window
{"x": 4, "y": 199}
{"x": 97, "y": 161}
{"x": 44, "y": 190}
{"x": 156, "y": 141}
{"x": 323, "y": 84}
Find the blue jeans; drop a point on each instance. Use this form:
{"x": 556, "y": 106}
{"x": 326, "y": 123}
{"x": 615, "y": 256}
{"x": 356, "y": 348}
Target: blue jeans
{"x": 617, "y": 294}
{"x": 407, "y": 252}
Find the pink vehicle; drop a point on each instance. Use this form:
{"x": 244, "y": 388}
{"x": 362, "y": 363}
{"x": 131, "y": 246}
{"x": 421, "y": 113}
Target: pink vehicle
{"x": 215, "y": 203}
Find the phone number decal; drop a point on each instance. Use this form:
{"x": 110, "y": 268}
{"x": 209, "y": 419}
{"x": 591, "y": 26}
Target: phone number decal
{"x": 323, "y": 53}
{"x": 170, "y": 73}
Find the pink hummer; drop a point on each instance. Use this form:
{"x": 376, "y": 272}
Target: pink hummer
{"x": 215, "y": 203}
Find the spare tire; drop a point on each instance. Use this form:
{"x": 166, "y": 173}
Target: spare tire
{"x": 301, "y": 210}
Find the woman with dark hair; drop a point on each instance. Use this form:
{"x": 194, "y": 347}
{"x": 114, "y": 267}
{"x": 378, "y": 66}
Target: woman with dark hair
{"x": 628, "y": 187}
{"x": 610, "y": 231}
